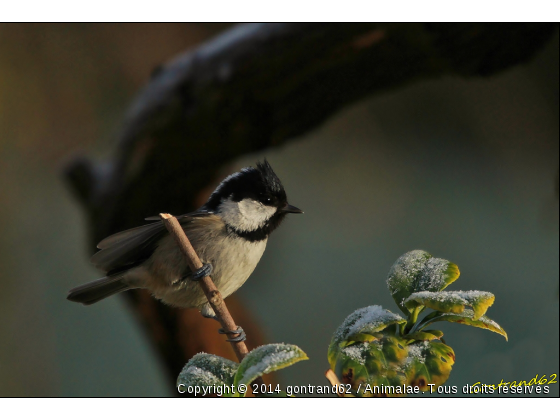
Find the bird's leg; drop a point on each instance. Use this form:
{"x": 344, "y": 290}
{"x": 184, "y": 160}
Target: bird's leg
{"x": 208, "y": 312}
{"x": 199, "y": 274}
{"x": 203, "y": 271}
{"x": 238, "y": 330}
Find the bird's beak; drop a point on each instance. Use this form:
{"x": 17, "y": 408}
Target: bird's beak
{"x": 291, "y": 209}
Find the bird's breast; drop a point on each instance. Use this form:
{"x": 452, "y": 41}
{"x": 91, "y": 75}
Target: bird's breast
{"x": 232, "y": 257}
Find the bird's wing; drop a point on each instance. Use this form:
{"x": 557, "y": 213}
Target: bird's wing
{"x": 198, "y": 213}
{"x": 133, "y": 246}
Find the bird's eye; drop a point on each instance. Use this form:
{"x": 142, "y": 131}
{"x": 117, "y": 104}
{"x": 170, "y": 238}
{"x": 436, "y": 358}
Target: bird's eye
{"x": 267, "y": 200}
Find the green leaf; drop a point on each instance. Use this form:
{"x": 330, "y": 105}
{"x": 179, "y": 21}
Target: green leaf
{"x": 440, "y": 301}
{"x": 364, "y": 322}
{"x": 349, "y": 365}
{"x": 391, "y": 361}
{"x": 440, "y": 362}
{"x": 467, "y": 317}
{"x": 479, "y": 301}
{"x": 428, "y": 363}
{"x": 207, "y": 370}
{"x": 437, "y": 333}
{"x": 266, "y": 359}
{"x": 415, "y": 366}
{"x": 418, "y": 271}
{"x": 453, "y": 302}
{"x": 422, "y": 336}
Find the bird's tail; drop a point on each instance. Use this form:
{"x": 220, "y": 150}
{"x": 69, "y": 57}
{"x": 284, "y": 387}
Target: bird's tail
{"x": 96, "y": 290}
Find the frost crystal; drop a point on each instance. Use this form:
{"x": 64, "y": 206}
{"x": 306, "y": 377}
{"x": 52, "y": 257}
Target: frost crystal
{"x": 266, "y": 359}
{"x": 366, "y": 320}
{"x": 459, "y": 295}
{"x": 418, "y": 271}
{"x": 416, "y": 353}
{"x": 357, "y": 352}
{"x": 454, "y": 301}
{"x": 433, "y": 275}
{"x": 207, "y": 369}
{"x": 473, "y": 295}
{"x": 406, "y": 268}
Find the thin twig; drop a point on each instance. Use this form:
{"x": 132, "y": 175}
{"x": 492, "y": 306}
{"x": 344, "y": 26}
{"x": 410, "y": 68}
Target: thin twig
{"x": 210, "y": 290}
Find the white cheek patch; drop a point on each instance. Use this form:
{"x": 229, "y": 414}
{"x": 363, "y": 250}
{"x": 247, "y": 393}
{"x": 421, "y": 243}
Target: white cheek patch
{"x": 246, "y": 215}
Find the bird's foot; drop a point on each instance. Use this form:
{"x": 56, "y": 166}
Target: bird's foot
{"x": 237, "y": 339}
{"x": 203, "y": 271}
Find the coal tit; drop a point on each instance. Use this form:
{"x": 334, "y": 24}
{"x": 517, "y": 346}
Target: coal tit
{"x": 229, "y": 234}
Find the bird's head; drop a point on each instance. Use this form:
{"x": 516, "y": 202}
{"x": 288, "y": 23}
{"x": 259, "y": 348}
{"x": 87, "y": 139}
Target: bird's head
{"x": 252, "y": 202}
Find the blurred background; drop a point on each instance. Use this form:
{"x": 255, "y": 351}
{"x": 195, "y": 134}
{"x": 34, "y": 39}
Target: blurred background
{"x": 466, "y": 169}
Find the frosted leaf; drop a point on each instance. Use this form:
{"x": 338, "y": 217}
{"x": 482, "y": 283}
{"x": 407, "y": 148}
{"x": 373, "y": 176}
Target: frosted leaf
{"x": 453, "y": 302}
{"x": 434, "y": 275}
{"x": 467, "y": 317}
{"x": 418, "y": 271}
{"x": 358, "y": 352}
{"x": 405, "y": 270}
{"x": 207, "y": 370}
{"x": 428, "y": 363}
{"x": 266, "y": 359}
{"x": 416, "y": 353}
{"x": 479, "y": 301}
{"x": 366, "y": 320}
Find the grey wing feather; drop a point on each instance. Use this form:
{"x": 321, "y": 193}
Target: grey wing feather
{"x": 126, "y": 235}
{"x": 133, "y": 246}
{"x": 128, "y": 248}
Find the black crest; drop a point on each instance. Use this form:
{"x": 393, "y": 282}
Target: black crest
{"x": 260, "y": 183}
{"x": 271, "y": 181}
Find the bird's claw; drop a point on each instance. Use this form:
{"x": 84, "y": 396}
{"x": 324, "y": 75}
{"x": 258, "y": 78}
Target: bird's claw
{"x": 237, "y": 339}
{"x": 202, "y": 272}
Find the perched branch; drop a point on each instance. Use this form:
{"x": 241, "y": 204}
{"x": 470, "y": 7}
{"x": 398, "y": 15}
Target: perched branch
{"x": 210, "y": 290}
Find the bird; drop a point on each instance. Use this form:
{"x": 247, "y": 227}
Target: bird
{"x": 229, "y": 233}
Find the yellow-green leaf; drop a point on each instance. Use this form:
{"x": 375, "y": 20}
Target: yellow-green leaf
{"x": 440, "y": 301}
{"x": 437, "y": 333}
{"x": 207, "y": 370}
{"x": 266, "y": 359}
{"x": 428, "y": 363}
{"x": 422, "y": 336}
{"x": 418, "y": 271}
{"x": 364, "y": 322}
{"x": 453, "y": 302}
{"x": 467, "y": 317}
{"x": 479, "y": 301}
